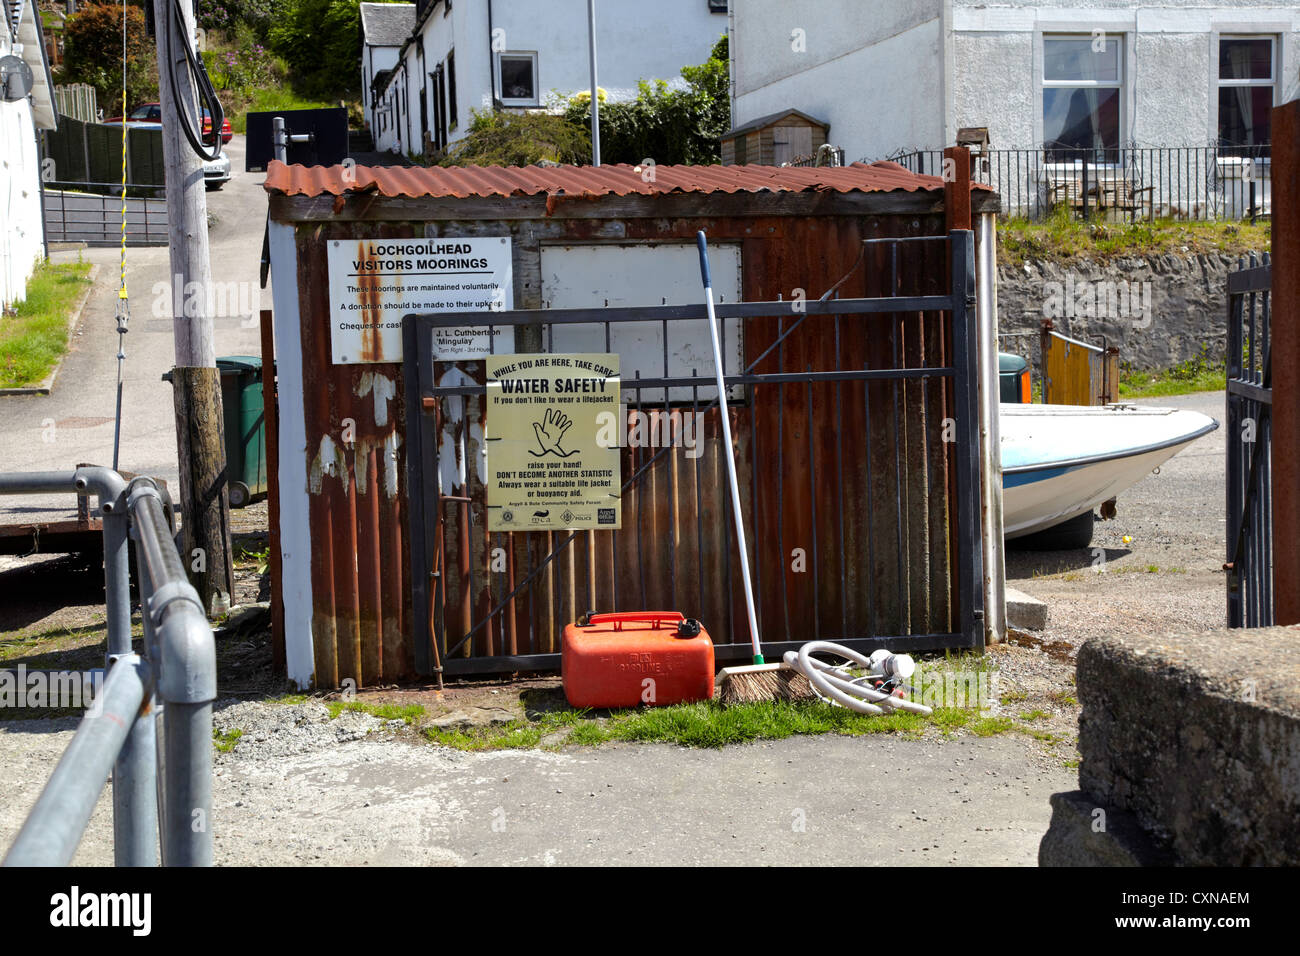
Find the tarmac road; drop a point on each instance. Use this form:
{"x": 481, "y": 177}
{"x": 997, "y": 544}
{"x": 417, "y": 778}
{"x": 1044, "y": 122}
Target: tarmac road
{"x": 81, "y": 405}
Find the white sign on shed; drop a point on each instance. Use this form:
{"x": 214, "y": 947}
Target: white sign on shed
{"x": 375, "y": 282}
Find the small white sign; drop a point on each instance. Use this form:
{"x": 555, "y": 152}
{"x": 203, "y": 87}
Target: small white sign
{"x": 375, "y": 282}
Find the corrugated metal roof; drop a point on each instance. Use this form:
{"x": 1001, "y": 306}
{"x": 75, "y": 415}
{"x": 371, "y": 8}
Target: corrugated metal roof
{"x": 462, "y": 182}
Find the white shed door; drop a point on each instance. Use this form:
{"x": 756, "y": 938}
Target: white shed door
{"x": 630, "y": 275}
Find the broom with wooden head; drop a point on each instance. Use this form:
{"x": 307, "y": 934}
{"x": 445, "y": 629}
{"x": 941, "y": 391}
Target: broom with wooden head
{"x": 759, "y": 680}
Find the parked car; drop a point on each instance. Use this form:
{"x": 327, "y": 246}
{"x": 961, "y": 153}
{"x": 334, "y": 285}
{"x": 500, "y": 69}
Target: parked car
{"x": 151, "y": 114}
{"x": 217, "y": 172}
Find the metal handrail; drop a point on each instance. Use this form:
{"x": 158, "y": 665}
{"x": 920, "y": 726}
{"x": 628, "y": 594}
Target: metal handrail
{"x": 178, "y": 671}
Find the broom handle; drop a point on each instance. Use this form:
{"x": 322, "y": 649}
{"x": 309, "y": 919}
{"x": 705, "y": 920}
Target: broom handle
{"x": 726, "y": 437}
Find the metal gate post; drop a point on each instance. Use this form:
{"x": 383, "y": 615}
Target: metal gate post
{"x": 187, "y": 685}
{"x": 965, "y": 351}
{"x": 1285, "y": 355}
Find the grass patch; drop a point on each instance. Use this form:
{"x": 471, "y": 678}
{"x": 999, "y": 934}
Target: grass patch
{"x": 1061, "y": 697}
{"x": 704, "y": 724}
{"x": 408, "y": 713}
{"x": 1200, "y": 374}
{"x": 1060, "y": 236}
{"x": 35, "y": 336}
{"x": 1034, "y": 715}
{"x": 224, "y": 740}
{"x": 991, "y": 726}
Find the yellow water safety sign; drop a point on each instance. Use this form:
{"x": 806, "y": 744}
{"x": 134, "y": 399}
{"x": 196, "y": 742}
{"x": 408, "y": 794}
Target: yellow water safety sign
{"x": 550, "y": 463}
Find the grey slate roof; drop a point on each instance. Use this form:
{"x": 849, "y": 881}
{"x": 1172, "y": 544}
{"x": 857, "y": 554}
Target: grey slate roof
{"x": 387, "y": 24}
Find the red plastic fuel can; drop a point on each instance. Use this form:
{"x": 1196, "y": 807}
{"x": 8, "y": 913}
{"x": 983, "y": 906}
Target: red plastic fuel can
{"x": 627, "y": 658}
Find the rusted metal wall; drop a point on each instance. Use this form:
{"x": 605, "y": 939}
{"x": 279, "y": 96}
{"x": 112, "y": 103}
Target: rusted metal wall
{"x": 806, "y": 454}
{"x": 356, "y": 489}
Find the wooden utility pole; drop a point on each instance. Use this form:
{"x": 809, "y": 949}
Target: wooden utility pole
{"x": 196, "y": 384}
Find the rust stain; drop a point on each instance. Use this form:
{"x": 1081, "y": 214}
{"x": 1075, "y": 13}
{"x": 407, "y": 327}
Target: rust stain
{"x": 372, "y": 308}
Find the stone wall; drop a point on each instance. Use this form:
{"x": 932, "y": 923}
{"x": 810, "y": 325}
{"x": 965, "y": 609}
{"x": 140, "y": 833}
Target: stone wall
{"x": 1190, "y": 748}
{"x": 1158, "y": 310}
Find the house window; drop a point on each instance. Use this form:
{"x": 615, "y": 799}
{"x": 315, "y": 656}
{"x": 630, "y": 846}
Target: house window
{"x": 1083, "y": 85}
{"x": 717, "y": 6}
{"x": 517, "y": 79}
{"x": 452, "y": 118}
{"x": 1246, "y": 83}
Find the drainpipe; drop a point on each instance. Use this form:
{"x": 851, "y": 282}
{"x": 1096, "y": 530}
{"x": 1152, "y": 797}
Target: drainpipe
{"x": 986, "y": 313}
{"x": 492, "y": 67}
{"x": 595, "y": 100}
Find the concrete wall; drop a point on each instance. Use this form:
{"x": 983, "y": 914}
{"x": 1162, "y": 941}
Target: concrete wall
{"x": 1188, "y": 306}
{"x": 872, "y": 70}
{"x": 1190, "y": 748}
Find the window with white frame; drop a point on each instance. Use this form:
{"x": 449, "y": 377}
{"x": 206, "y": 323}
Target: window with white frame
{"x": 1083, "y": 91}
{"x": 517, "y": 79}
{"x": 1246, "y": 89}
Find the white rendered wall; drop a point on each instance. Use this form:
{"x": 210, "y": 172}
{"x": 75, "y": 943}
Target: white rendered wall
{"x": 873, "y": 69}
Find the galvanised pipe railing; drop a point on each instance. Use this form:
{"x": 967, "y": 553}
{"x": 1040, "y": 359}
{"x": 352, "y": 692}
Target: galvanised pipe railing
{"x": 175, "y": 678}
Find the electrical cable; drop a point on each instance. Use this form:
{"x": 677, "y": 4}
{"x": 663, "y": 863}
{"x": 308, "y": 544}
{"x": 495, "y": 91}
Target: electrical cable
{"x": 207, "y": 94}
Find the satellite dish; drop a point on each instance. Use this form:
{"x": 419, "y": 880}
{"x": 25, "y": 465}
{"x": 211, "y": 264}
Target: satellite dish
{"x": 15, "y": 78}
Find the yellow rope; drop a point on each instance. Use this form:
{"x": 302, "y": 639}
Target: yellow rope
{"x": 121, "y": 294}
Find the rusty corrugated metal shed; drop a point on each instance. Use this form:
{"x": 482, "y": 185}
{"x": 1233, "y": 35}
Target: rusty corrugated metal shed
{"x": 463, "y": 182}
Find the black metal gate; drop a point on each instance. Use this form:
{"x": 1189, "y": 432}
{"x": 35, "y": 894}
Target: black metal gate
{"x": 1249, "y": 441}
{"x": 885, "y": 494}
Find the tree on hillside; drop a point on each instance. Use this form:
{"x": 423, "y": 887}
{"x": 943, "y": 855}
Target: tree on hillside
{"x": 320, "y": 41}
{"x": 92, "y": 54}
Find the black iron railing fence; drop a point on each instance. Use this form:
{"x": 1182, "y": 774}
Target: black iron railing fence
{"x": 1128, "y": 183}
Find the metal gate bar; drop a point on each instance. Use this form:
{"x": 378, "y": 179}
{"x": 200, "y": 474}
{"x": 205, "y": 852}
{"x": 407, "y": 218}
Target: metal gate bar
{"x": 1249, "y": 446}
{"x": 427, "y": 515}
{"x": 119, "y": 734}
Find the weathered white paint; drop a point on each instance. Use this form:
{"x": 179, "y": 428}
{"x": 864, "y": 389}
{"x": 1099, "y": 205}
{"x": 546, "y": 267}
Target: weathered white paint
{"x": 295, "y": 528}
{"x": 908, "y": 74}
{"x": 382, "y": 388}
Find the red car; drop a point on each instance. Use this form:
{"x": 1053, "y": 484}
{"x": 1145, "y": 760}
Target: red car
{"x": 152, "y": 113}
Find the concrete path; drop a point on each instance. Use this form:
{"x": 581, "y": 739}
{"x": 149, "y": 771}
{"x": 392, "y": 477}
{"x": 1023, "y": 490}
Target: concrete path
{"x": 385, "y": 799}
{"x": 80, "y": 407}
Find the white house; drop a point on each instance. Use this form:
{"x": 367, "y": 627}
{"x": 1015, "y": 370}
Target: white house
{"x": 891, "y": 75}
{"x": 465, "y": 55}
{"x": 384, "y": 28}
{"x": 22, "y": 236}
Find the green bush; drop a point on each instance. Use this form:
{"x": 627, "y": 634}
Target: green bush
{"x": 665, "y": 124}
{"x": 500, "y": 138}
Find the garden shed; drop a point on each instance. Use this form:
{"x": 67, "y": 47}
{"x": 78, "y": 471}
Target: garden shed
{"x": 775, "y": 139}
{"x": 858, "y": 503}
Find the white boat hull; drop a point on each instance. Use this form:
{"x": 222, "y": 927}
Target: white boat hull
{"x": 1060, "y": 461}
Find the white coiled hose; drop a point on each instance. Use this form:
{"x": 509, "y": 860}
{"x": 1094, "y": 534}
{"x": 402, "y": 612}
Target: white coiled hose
{"x": 833, "y": 683}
